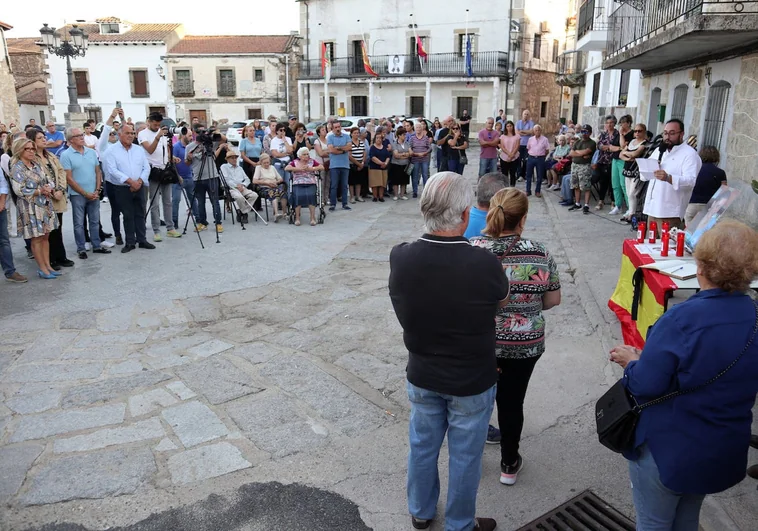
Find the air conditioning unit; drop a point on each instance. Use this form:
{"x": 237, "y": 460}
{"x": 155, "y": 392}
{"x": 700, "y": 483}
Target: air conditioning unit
{"x": 544, "y": 27}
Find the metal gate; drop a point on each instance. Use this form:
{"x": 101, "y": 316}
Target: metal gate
{"x": 715, "y": 114}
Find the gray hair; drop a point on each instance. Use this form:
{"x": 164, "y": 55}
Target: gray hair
{"x": 445, "y": 198}
{"x": 490, "y": 184}
{"x": 70, "y": 132}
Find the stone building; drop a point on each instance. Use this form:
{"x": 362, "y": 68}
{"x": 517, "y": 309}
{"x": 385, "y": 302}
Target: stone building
{"x": 9, "y": 112}
{"x": 30, "y": 73}
{"x": 700, "y": 65}
{"x": 234, "y": 77}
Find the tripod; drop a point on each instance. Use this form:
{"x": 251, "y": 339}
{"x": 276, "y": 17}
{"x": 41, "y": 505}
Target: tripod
{"x": 171, "y": 167}
{"x": 207, "y": 154}
{"x": 242, "y": 217}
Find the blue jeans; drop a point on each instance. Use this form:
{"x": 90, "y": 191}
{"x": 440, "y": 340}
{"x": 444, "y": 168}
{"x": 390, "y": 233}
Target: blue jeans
{"x": 177, "y": 196}
{"x": 465, "y": 420}
{"x": 279, "y": 167}
{"x": 338, "y": 178}
{"x": 533, "y": 163}
{"x": 522, "y": 156}
{"x": 420, "y": 169}
{"x": 455, "y": 165}
{"x": 6, "y": 253}
{"x": 80, "y": 205}
{"x": 566, "y": 192}
{"x": 210, "y": 187}
{"x": 659, "y": 508}
{"x": 487, "y": 166}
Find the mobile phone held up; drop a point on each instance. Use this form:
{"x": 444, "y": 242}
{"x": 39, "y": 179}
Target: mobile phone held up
{"x": 118, "y": 104}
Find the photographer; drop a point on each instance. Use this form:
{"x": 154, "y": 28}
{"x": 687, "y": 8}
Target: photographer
{"x": 220, "y": 147}
{"x": 155, "y": 141}
{"x": 200, "y": 156}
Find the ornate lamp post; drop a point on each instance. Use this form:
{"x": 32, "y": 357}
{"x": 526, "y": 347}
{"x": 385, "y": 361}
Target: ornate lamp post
{"x": 73, "y": 45}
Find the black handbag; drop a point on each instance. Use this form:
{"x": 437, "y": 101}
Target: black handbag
{"x": 617, "y": 411}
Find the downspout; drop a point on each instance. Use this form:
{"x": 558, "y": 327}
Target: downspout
{"x": 307, "y": 56}
{"x": 287, "y": 80}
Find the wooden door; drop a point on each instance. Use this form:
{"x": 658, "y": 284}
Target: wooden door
{"x": 200, "y": 115}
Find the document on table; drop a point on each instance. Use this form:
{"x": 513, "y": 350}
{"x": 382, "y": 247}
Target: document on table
{"x": 648, "y": 167}
{"x": 679, "y": 269}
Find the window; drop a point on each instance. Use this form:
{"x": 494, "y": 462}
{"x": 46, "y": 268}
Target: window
{"x": 331, "y": 105}
{"x": 183, "y": 85}
{"x": 537, "y": 52}
{"x": 254, "y": 114}
{"x": 624, "y": 87}
{"x": 226, "y": 85}
{"x": 93, "y": 113}
{"x": 359, "y": 105}
{"x": 462, "y": 43}
{"x": 556, "y": 49}
{"x": 138, "y": 83}
{"x": 715, "y": 113}
{"x": 42, "y": 117}
{"x": 161, "y": 110}
{"x": 415, "y": 63}
{"x": 680, "y": 102}
{"x": 356, "y": 64}
{"x": 417, "y": 106}
{"x": 82, "y": 83}
{"x": 595, "y": 88}
{"x": 464, "y": 103}
{"x": 258, "y": 75}
{"x": 543, "y": 109}
{"x": 111, "y": 29}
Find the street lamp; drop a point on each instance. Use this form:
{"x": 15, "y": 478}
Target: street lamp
{"x": 73, "y": 45}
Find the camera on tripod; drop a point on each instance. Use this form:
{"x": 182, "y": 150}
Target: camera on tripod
{"x": 181, "y": 131}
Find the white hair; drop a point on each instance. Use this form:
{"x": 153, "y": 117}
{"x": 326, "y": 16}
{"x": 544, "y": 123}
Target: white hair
{"x": 445, "y": 198}
{"x": 70, "y": 132}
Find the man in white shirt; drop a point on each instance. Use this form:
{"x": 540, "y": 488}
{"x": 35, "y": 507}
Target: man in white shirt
{"x": 237, "y": 181}
{"x": 90, "y": 140}
{"x": 153, "y": 138}
{"x": 670, "y": 191}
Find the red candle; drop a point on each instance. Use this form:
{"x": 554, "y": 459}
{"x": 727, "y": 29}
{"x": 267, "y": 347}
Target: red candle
{"x": 665, "y": 241}
{"x": 680, "y": 243}
{"x": 653, "y": 232}
{"x": 641, "y": 226}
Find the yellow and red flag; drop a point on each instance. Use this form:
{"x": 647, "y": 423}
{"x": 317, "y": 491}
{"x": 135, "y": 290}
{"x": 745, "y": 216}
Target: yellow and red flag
{"x": 326, "y": 61}
{"x": 367, "y": 61}
{"x": 420, "y": 48}
{"x": 640, "y": 297}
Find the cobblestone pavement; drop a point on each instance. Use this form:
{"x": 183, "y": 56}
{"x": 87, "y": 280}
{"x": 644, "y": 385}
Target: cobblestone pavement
{"x": 178, "y": 388}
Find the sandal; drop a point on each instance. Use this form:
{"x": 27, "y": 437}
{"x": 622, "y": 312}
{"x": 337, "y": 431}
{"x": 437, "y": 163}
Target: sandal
{"x": 297, "y": 223}
{"x": 313, "y": 223}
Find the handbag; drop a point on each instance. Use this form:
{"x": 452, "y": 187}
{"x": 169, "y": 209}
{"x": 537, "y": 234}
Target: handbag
{"x": 617, "y": 412}
{"x": 631, "y": 170}
{"x": 409, "y": 169}
{"x": 463, "y": 158}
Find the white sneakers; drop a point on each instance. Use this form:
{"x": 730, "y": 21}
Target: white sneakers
{"x": 614, "y": 211}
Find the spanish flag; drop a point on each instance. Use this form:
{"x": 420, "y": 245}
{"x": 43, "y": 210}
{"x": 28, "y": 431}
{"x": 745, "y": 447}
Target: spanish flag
{"x": 640, "y": 296}
{"x": 420, "y": 48}
{"x": 326, "y": 62}
{"x": 367, "y": 61}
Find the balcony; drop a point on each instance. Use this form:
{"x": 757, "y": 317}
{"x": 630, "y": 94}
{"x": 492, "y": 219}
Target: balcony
{"x": 571, "y": 66}
{"x": 437, "y": 64}
{"x": 668, "y": 34}
{"x": 592, "y": 28}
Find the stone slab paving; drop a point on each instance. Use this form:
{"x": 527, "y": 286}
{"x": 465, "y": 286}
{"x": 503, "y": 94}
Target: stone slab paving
{"x": 140, "y": 404}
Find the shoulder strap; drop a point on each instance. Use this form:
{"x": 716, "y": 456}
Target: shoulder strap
{"x": 719, "y": 375}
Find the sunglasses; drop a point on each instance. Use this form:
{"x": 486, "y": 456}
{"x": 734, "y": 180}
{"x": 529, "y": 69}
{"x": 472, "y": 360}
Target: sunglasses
{"x": 30, "y": 149}
{"x": 639, "y": 130}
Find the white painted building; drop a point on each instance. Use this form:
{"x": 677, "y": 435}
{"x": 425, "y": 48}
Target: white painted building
{"x": 124, "y": 63}
{"x": 437, "y": 86}
{"x": 607, "y": 91}
{"x": 233, "y": 77}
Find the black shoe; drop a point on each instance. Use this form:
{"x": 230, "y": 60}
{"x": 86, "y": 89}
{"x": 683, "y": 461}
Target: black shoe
{"x": 753, "y": 471}
{"x": 485, "y": 524}
{"x": 244, "y": 218}
{"x": 55, "y": 266}
{"x": 146, "y": 245}
{"x": 576, "y": 206}
{"x": 418, "y": 523}
{"x": 381, "y": 200}
{"x": 101, "y": 250}
{"x": 29, "y": 254}
{"x": 163, "y": 223}
{"x": 127, "y": 248}
{"x": 66, "y": 263}
{"x": 528, "y": 193}
{"x": 415, "y": 196}
{"x": 374, "y": 200}
{"x": 754, "y": 441}
{"x": 119, "y": 240}
{"x": 105, "y": 235}
{"x": 331, "y": 209}
{"x": 82, "y": 255}
{"x": 586, "y": 209}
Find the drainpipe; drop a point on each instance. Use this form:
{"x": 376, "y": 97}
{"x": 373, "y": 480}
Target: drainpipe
{"x": 287, "y": 80}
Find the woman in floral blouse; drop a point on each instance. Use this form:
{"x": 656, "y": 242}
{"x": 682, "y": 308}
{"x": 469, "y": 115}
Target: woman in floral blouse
{"x": 520, "y": 325}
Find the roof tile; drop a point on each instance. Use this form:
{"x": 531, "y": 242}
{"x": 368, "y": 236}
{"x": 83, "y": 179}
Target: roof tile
{"x": 134, "y": 33}
{"x": 231, "y": 44}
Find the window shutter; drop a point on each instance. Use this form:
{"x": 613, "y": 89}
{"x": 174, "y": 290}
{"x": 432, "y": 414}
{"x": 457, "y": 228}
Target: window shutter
{"x": 82, "y": 87}
{"x": 139, "y": 82}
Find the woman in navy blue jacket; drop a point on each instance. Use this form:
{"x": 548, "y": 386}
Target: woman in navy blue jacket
{"x": 696, "y": 444}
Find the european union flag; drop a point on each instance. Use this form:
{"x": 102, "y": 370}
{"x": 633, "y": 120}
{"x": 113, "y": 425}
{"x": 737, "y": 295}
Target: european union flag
{"x": 469, "y": 68}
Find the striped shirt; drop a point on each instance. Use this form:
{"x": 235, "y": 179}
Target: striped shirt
{"x": 358, "y": 151}
{"x": 420, "y": 145}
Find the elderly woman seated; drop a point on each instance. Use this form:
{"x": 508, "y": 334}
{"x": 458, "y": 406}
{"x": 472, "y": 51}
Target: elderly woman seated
{"x": 270, "y": 185}
{"x": 237, "y": 182}
{"x": 304, "y": 181}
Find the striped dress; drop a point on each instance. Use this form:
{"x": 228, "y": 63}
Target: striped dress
{"x": 356, "y": 176}
{"x": 531, "y": 272}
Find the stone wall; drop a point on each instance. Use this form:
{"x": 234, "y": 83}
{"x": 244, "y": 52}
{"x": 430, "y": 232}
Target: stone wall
{"x": 742, "y": 137}
{"x": 595, "y": 116}
{"x": 9, "y": 111}
{"x": 536, "y": 87}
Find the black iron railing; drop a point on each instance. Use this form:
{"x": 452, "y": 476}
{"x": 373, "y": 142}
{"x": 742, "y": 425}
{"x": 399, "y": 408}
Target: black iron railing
{"x": 591, "y": 17}
{"x": 628, "y": 24}
{"x": 436, "y": 64}
{"x": 571, "y": 66}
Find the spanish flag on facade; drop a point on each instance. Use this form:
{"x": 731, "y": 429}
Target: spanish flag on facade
{"x": 367, "y": 61}
{"x": 640, "y": 297}
{"x": 326, "y": 62}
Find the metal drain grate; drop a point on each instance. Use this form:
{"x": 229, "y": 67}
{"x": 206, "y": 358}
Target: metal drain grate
{"x": 585, "y": 512}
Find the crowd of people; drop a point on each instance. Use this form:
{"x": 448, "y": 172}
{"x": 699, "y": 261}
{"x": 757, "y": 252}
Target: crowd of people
{"x": 477, "y": 342}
